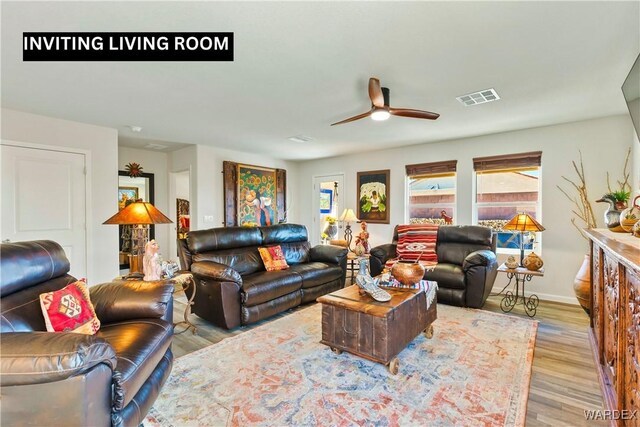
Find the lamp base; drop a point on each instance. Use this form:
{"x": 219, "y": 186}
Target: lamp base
{"x": 348, "y": 235}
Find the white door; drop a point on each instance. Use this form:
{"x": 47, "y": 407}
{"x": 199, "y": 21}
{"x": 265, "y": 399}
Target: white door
{"x": 331, "y": 184}
{"x": 43, "y": 198}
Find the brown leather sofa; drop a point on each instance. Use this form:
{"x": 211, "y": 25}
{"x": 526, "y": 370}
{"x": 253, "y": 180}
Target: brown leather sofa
{"x": 232, "y": 286}
{"x": 466, "y": 267}
{"x": 71, "y": 379}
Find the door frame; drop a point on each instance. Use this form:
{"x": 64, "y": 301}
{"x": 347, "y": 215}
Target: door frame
{"x": 314, "y": 238}
{"x": 173, "y": 241}
{"x": 88, "y": 211}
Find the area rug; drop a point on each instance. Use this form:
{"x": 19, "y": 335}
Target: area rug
{"x": 475, "y": 371}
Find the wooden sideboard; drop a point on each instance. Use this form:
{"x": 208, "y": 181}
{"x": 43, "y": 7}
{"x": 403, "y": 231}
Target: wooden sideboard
{"x": 615, "y": 320}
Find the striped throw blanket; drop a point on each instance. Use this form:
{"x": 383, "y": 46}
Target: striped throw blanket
{"x": 417, "y": 241}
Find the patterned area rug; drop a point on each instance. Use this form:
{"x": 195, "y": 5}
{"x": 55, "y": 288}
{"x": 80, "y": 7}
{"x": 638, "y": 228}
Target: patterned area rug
{"x": 475, "y": 371}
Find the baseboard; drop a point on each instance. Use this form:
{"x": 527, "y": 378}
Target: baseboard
{"x": 546, "y": 297}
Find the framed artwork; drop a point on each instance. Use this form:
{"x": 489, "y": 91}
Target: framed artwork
{"x": 373, "y": 196}
{"x": 326, "y": 200}
{"x": 253, "y": 195}
{"x": 126, "y": 194}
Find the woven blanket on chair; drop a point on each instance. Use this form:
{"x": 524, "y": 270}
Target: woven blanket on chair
{"x": 416, "y": 242}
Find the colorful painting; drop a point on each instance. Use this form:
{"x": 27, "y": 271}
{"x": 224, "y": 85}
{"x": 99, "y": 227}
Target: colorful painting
{"x": 126, "y": 195}
{"x": 256, "y": 195}
{"x": 326, "y": 200}
{"x": 373, "y": 196}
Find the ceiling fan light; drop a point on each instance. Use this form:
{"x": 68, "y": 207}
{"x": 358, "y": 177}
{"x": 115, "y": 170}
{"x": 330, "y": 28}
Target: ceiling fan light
{"x": 380, "y": 115}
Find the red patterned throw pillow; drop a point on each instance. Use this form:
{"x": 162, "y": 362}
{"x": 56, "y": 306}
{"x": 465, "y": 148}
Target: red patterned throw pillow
{"x": 273, "y": 258}
{"x": 70, "y": 310}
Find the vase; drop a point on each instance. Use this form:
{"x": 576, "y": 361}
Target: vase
{"x": 533, "y": 262}
{"x": 630, "y": 216}
{"x": 407, "y": 273}
{"x": 331, "y": 230}
{"x": 582, "y": 284}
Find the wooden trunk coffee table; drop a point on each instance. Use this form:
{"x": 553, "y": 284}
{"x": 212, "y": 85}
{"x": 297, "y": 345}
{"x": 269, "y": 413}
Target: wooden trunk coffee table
{"x": 377, "y": 331}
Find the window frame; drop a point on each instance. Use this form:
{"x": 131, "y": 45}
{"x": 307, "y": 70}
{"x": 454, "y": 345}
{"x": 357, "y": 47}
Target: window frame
{"x": 451, "y": 205}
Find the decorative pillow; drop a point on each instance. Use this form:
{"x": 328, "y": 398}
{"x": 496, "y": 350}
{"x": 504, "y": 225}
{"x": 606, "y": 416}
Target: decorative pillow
{"x": 417, "y": 241}
{"x": 70, "y": 310}
{"x": 273, "y": 258}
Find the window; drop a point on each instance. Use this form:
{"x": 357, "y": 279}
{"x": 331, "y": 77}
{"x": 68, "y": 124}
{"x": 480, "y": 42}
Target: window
{"x": 507, "y": 185}
{"x": 431, "y": 192}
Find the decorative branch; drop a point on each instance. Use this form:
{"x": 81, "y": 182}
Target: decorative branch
{"x": 583, "y": 210}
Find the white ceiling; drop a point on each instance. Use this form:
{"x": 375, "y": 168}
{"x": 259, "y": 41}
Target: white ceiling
{"x": 301, "y": 66}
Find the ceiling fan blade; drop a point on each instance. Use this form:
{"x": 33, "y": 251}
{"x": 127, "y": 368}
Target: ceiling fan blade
{"x": 375, "y": 93}
{"x": 416, "y": 114}
{"x": 352, "y": 119}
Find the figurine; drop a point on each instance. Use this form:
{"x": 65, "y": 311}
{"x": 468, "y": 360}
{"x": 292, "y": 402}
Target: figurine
{"x": 448, "y": 220}
{"x": 151, "y": 263}
{"x": 363, "y": 238}
{"x": 169, "y": 269}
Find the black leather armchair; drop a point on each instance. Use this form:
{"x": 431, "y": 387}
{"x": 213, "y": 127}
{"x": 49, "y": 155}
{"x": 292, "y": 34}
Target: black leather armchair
{"x": 49, "y": 378}
{"x": 466, "y": 267}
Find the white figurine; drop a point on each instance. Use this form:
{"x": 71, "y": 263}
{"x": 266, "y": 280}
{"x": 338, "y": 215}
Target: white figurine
{"x": 151, "y": 263}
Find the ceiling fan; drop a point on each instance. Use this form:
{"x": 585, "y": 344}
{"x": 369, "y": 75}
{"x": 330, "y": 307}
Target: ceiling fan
{"x": 380, "y": 109}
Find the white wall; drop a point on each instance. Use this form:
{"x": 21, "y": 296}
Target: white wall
{"x": 603, "y": 142}
{"x": 102, "y": 145}
{"x": 157, "y": 163}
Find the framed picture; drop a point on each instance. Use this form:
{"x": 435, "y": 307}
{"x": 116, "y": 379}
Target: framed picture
{"x": 326, "y": 200}
{"x": 373, "y": 196}
{"x": 126, "y": 194}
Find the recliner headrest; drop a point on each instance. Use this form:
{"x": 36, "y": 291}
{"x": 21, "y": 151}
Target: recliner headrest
{"x": 283, "y": 233}
{"x": 215, "y": 239}
{"x": 25, "y": 264}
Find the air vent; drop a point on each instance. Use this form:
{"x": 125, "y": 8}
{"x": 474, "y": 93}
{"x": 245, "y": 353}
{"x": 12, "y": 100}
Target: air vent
{"x": 300, "y": 138}
{"x": 479, "y": 97}
{"x": 155, "y": 146}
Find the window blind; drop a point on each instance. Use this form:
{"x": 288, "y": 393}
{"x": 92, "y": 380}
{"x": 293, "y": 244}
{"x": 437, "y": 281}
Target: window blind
{"x": 431, "y": 168}
{"x": 508, "y": 161}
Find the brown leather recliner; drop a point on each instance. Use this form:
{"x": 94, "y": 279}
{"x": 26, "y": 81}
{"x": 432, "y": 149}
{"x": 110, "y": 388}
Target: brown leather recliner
{"x": 232, "y": 286}
{"x": 467, "y": 265}
{"x": 49, "y": 378}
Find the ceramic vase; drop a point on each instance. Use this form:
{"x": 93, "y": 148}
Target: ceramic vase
{"x": 511, "y": 262}
{"x": 533, "y": 262}
{"x": 582, "y": 284}
{"x": 630, "y": 216}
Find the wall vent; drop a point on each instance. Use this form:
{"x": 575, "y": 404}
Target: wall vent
{"x": 155, "y": 146}
{"x": 479, "y": 97}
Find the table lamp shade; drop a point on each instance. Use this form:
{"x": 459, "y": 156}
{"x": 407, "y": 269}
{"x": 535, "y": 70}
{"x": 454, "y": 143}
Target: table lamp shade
{"x": 348, "y": 216}
{"x": 523, "y": 222}
{"x": 138, "y": 213}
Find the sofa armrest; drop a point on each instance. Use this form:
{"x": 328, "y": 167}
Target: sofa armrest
{"x": 379, "y": 256}
{"x": 483, "y": 258}
{"x": 329, "y": 254}
{"x": 43, "y": 357}
{"x": 132, "y": 299}
{"x": 480, "y": 270}
{"x": 216, "y": 271}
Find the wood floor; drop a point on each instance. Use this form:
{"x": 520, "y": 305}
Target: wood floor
{"x": 564, "y": 382}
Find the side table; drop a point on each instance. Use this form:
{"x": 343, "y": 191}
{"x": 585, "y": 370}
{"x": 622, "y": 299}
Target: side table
{"x": 353, "y": 265}
{"x": 521, "y": 276}
{"x": 185, "y": 281}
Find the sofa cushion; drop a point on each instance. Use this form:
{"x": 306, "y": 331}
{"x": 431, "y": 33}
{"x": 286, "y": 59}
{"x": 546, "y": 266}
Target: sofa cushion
{"x": 456, "y": 242}
{"x": 139, "y": 346}
{"x": 316, "y": 273}
{"x": 283, "y": 233}
{"x": 217, "y": 239}
{"x": 243, "y": 260}
{"x": 296, "y": 252}
{"x": 267, "y": 285}
{"x": 447, "y": 275}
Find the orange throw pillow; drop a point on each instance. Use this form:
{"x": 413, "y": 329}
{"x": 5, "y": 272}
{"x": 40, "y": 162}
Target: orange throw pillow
{"x": 70, "y": 310}
{"x": 273, "y": 258}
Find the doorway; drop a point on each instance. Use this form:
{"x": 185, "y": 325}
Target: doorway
{"x": 328, "y": 201}
{"x": 179, "y": 207}
{"x": 44, "y": 198}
